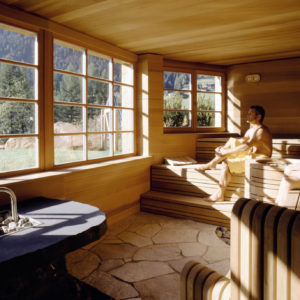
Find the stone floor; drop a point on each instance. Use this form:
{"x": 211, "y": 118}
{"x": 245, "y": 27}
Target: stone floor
{"x": 142, "y": 257}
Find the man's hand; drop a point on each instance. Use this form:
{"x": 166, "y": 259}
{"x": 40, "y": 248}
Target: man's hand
{"x": 221, "y": 151}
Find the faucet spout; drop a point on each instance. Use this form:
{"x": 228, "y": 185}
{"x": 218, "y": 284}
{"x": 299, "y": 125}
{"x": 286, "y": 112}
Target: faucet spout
{"x": 13, "y": 202}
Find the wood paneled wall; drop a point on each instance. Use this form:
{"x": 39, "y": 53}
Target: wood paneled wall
{"x": 114, "y": 187}
{"x": 278, "y": 92}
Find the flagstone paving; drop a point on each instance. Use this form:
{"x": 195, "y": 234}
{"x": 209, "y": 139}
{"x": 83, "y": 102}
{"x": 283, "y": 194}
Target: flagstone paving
{"x": 141, "y": 257}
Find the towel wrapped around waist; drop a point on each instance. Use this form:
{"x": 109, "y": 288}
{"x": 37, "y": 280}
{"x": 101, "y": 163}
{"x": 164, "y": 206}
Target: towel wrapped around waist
{"x": 236, "y": 162}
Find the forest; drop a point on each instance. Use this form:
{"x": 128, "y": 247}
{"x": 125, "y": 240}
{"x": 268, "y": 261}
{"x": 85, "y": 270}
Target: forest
{"x": 17, "y": 81}
{"x": 178, "y": 102}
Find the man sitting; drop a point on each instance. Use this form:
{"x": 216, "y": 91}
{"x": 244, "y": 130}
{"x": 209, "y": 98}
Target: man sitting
{"x": 256, "y": 143}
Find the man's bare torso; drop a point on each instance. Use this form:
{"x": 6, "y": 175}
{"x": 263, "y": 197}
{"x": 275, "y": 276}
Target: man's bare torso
{"x": 259, "y": 138}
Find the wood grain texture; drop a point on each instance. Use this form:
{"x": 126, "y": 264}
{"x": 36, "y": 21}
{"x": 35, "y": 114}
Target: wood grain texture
{"x": 264, "y": 257}
{"x": 113, "y": 187}
{"x": 187, "y": 207}
{"x": 235, "y": 247}
{"x": 184, "y": 278}
{"x": 214, "y": 32}
{"x": 187, "y": 181}
{"x": 270, "y": 252}
{"x": 283, "y": 261}
{"x": 278, "y": 92}
{"x": 295, "y": 259}
{"x": 199, "y": 282}
{"x": 209, "y": 285}
{"x": 198, "y": 271}
{"x": 257, "y": 253}
{"x": 246, "y": 249}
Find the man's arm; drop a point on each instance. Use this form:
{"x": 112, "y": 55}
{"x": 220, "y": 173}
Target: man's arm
{"x": 240, "y": 148}
{"x": 223, "y": 151}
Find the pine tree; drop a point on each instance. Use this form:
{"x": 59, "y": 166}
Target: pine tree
{"x": 15, "y": 117}
{"x": 67, "y": 88}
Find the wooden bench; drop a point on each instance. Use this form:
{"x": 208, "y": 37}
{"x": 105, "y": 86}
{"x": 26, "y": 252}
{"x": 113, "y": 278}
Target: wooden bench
{"x": 176, "y": 190}
{"x": 264, "y": 257}
{"x": 282, "y": 148}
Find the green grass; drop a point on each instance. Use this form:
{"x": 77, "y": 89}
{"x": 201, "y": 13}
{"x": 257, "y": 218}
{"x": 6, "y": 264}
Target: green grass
{"x": 19, "y": 159}
{"x": 67, "y": 156}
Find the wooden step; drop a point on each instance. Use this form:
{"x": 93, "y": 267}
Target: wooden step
{"x": 186, "y": 180}
{"x": 182, "y": 206}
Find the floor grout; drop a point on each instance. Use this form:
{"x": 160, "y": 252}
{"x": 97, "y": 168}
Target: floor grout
{"x": 137, "y": 269}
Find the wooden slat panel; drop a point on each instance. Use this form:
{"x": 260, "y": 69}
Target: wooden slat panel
{"x": 246, "y": 249}
{"x": 265, "y": 181}
{"x": 283, "y": 255}
{"x": 235, "y": 247}
{"x": 187, "y": 181}
{"x": 224, "y": 206}
{"x": 295, "y": 260}
{"x": 282, "y": 148}
{"x": 270, "y": 252}
{"x": 226, "y": 293}
{"x": 257, "y": 240}
{"x": 249, "y": 33}
{"x": 196, "y": 271}
{"x": 220, "y": 288}
{"x": 184, "y": 276}
{"x": 209, "y": 285}
{"x": 187, "y": 207}
{"x": 200, "y": 283}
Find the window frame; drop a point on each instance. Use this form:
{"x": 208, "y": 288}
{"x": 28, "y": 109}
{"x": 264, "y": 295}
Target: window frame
{"x": 45, "y": 41}
{"x": 194, "y": 72}
{"x": 50, "y": 102}
{"x": 39, "y": 98}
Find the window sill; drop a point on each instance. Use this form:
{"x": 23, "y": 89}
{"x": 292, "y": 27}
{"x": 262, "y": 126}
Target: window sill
{"x": 71, "y": 170}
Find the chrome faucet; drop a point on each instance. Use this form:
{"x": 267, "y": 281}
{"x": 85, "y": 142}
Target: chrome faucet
{"x": 13, "y": 202}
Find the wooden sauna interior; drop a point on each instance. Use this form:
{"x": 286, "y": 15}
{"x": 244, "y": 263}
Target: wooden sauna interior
{"x": 235, "y": 37}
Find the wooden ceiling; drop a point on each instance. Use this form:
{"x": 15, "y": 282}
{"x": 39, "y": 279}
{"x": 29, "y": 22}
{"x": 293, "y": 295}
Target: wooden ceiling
{"x": 222, "y": 32}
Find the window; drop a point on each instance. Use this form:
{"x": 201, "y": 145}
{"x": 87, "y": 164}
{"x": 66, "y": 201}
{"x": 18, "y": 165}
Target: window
{"x": 193, "y": 101}
{"x": 19, "y": 100}
{"x": 209, "y": 101}
{"x": 69, "y": 106}
{"x": 93, "y": 105}
{"x": 177, "y": 100}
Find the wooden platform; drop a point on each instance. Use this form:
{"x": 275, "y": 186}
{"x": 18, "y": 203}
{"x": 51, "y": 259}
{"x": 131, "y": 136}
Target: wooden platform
{"x": 177, "y": 190}
{"x": 186, "y": 180}
{"x": 284, "y": 148}
{"x": 190, "y": 207}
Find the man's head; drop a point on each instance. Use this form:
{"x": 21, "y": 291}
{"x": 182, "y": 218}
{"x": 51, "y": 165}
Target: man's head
{"x": 256, "y": 113}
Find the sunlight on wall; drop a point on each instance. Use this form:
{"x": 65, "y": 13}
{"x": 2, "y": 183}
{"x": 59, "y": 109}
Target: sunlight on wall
{"x": 234, "y": 113}
{"x": 145, "y": 114}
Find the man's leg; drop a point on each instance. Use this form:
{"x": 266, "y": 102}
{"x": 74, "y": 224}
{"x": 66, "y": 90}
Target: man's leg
{"x": 210, "y": 165}
{"x": 217, "y": 159}
{"x": 225, "y": 178}
{"x": 290, "y": 180}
